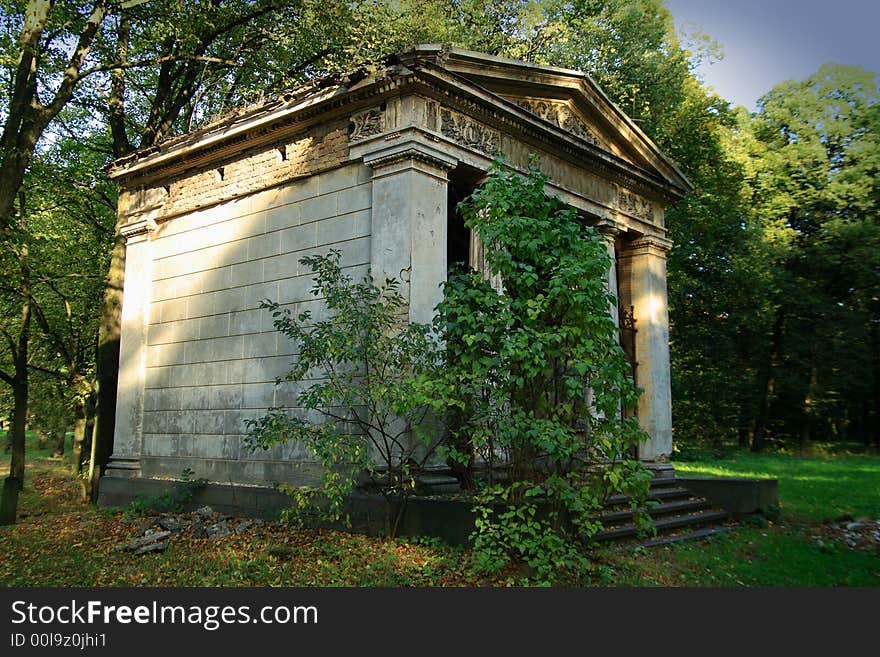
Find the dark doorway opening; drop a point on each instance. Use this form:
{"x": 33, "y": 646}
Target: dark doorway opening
{"x": 463, "y": 180}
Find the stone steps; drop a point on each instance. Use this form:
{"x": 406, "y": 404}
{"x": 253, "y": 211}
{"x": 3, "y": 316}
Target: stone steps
{"x": 657, "y": 493}
{"x": 436, "y": 483}
{"x": 683, "y": 536}
{"x": 665, "y": 524}
{"x": 676, "y": 507}
{"x": 677, "y": 514}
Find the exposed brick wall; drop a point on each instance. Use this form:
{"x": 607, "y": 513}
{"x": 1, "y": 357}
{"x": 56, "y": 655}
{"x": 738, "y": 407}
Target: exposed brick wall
{"x": 322, "y": 147}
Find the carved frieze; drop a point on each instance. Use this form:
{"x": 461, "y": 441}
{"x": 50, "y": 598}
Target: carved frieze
{"x": 560, "y": 114}
{"x": 366, "y": 124}
{"x": 469, "y": 133}
{"x": 634, "y": 205}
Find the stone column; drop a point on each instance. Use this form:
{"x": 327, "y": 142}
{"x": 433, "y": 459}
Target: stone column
{"x": 408, "y": 238}
{"x": 643, "y": 265}
{"x": 609, "y": 233}
{"x": 409, "y": 224}
{"x": 128, "y": 431}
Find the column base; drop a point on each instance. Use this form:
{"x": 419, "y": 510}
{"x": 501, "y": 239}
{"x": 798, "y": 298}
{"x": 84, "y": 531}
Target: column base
{"x": 123, "y": 467}
{"x": 662, "y": 471}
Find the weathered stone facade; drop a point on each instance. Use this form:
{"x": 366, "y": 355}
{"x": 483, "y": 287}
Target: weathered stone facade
{"x": 217, "y": 221}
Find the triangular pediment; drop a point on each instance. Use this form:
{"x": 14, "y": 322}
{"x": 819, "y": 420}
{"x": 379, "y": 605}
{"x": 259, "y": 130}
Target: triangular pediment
{"x": 566, "y": 99}
{"x": 563, "y": 113}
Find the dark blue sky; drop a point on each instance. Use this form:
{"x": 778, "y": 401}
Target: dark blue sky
{"x": 768, "y": 41}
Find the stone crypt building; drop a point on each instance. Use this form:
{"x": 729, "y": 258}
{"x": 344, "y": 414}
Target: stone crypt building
{"x": 372, "y": 164}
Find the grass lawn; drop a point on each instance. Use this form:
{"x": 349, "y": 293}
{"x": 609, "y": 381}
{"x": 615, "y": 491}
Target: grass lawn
{"x": 809, "y": 488}
{"x": 797, "y": 550}
{"x": 777, "y": 556}
{"x": 61, "y": 541}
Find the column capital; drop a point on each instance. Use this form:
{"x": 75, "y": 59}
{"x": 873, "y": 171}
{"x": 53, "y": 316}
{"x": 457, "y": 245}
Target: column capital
{"x": 409, "y": 150}
{"x": 655, "y": 245}
{"x": 138, "y": 230}
{"x": 607, "y": 228}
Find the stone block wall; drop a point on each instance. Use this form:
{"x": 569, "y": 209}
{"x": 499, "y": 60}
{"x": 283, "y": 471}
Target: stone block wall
{"x": 212, "y": 353}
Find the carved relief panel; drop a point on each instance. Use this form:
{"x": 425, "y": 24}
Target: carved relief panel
{"x": 634, "y": 205}
{"x": 561, "y": 115}
{"x": 469, "y": 133}
{"x": 366, "y": 124}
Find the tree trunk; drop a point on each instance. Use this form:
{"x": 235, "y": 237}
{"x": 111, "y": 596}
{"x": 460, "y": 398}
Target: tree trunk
{"x": 19, "y": 419}
{"x": 95, "y": 468}
{"x": 770, "y": 386}
{"x": 58, "y": 443}
{"x": 764, "y": 413}
{"x": 12, "y": 168}
{"x": 110, "y": 327}
{"x": 860, "y": 423}
{"x": 841, "y": 426}
{"x": 745, "y": 398}
{"x": 744, "y": 437}
{"x": 463, "y": 472}
{"x": 9, "y": 501}
{"x": 20, "y": 380}
{"x": 873, "y": 427}
{"x": 79, "y": 434}
{"x": 808, "y": 418}
{"x": 90, "y": 431}
{"x": 107, "y": 364}
{"x": 116, "y": 104}
{"x": 86, "y": 470}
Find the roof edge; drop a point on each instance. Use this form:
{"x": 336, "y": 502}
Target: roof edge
{"x": 422, "y": 56}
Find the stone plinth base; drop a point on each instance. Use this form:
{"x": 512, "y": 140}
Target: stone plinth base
{"x": 736, "y": 495}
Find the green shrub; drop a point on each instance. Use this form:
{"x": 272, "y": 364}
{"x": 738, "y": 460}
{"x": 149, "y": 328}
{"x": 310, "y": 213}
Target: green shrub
{"x": 534, "y": 378}
{"x": 360, "y": 417}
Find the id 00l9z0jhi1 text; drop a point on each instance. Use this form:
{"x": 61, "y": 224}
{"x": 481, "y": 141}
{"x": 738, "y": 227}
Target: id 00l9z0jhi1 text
{"x": 80, "y": 640}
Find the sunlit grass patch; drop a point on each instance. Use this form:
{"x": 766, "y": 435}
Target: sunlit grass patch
{"x": 815, "y": 488}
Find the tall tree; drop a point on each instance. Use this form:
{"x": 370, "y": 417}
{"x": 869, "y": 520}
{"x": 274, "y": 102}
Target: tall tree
{"x": 48, "y": 44}
{"x": 816, "y": 193}
{"x": 42, "y": 76}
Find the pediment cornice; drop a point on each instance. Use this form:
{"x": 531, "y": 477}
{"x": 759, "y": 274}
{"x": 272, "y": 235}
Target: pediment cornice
{"x": 559, "y": 115}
